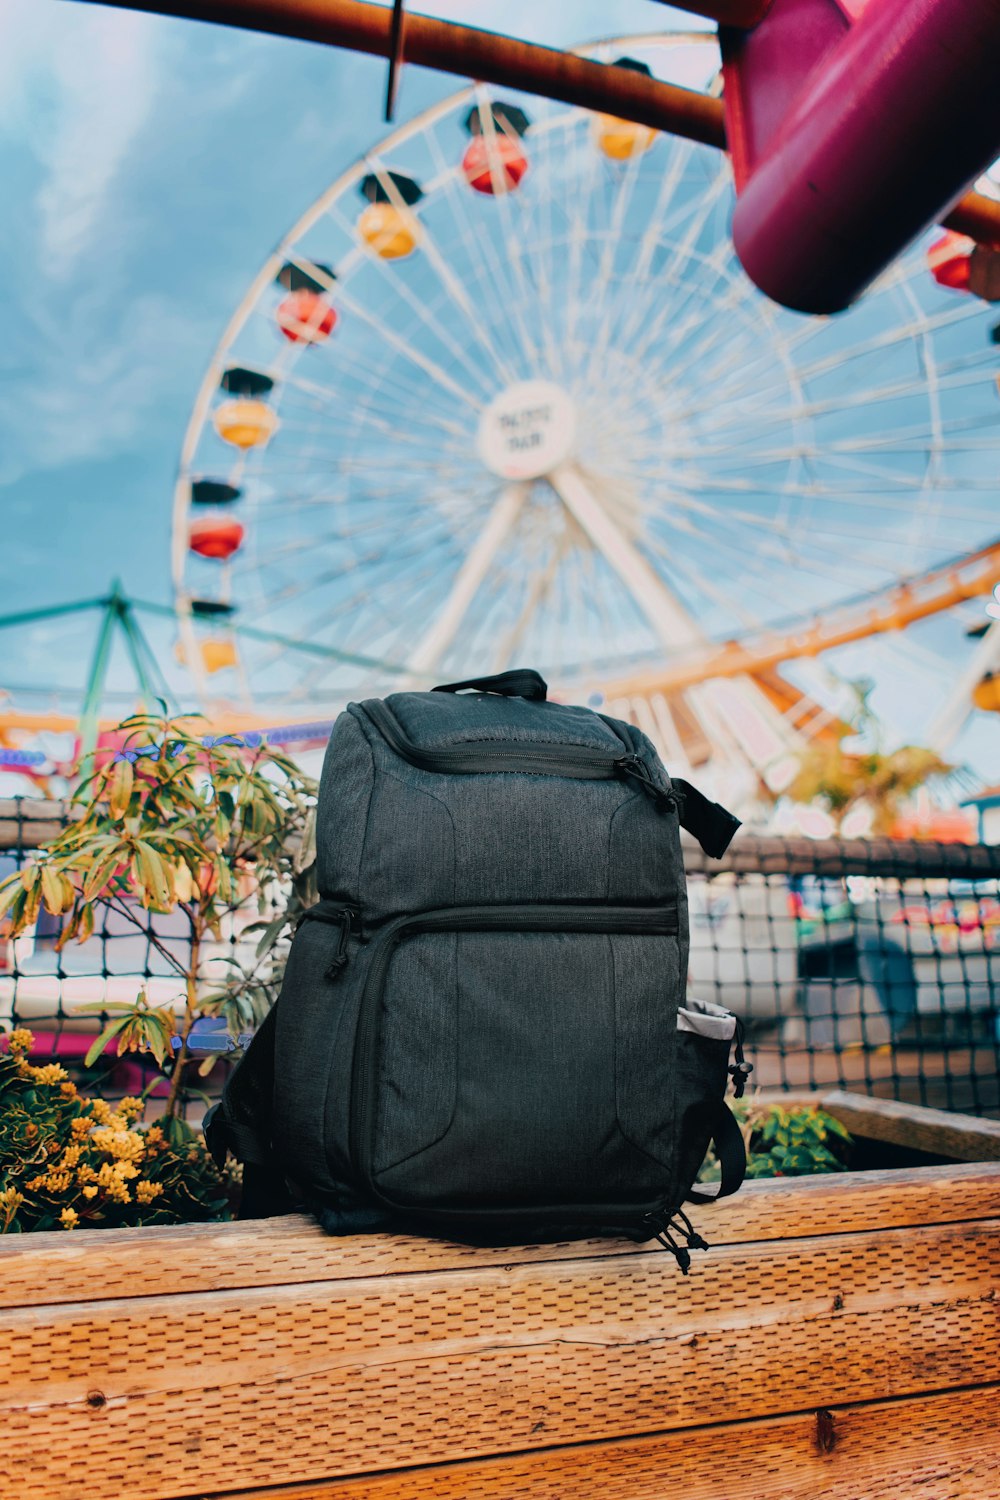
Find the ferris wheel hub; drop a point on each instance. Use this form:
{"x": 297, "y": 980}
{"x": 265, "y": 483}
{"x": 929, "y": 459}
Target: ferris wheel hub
{"x": 528, "y": 430}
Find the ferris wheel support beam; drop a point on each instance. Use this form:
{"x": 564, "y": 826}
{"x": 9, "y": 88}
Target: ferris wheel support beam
{"x": 668, "y": 618}
{"x": 469, "y": 579}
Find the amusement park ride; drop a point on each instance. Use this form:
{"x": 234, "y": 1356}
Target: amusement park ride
{"x": 547, "y": 375}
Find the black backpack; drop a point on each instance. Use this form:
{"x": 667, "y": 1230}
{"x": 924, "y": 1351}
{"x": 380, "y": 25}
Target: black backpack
{"x": 483, "y": 1032}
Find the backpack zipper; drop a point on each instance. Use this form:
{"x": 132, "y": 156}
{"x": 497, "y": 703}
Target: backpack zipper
{"x": 536, "y": 760}
{"x": 651, "y": 921}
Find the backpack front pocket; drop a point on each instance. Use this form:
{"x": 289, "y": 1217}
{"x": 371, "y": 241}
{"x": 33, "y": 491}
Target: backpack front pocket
{"x": 518, "y": 1058}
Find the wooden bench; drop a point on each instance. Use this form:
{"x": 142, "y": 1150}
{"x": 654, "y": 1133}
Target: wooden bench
{"x": 839, "y": 1342}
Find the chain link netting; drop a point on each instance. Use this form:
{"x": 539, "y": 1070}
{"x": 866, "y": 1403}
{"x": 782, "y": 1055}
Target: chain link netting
{"x": 868, "y": 965}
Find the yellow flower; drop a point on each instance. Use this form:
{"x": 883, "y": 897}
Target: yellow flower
{"x": 10, "y": 1202}
{"x": 90, "y": 1192}
{"x": 124, "y": 1145}
{"x": 36, "y": 1183}
{"x": 57, "y": 1182}
{"x": 21, "y": 1039}
{"x": 68, "y": 1089}
{"x": 154, "y": 1136}
{"x": 50, "y": 1073}
{"x": 69, "y": 1218}
{"x": 71, "y": 1156}
{"x": 145, "y": 1191}
{"x": 131, "y": 1109}
{"x": 118, "y": 1191}
{"x": 100, "y": 1111}
{"x": 85, "y": 1173}
{"x": 80, "y": 1125}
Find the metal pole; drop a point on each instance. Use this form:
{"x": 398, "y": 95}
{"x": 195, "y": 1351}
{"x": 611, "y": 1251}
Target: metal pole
{"x": 94, "y": 691}
{"x": 472, "y": 53}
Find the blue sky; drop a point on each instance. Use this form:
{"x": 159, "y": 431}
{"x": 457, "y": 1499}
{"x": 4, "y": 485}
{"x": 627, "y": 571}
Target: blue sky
{"x": 149, "y": 167}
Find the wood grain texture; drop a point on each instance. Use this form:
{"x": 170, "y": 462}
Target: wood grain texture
{"x": 937, "y": 1131}
{"x": 186, "y": 1259}
{"x": 943, "y": 1447}
{"x": 197, "y": 1393}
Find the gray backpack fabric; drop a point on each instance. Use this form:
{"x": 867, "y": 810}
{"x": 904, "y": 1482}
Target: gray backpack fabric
{"x": 483, "y": 1031}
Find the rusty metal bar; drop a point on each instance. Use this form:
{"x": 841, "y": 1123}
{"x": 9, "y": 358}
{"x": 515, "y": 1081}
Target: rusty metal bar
{"x": 472, "y": 53}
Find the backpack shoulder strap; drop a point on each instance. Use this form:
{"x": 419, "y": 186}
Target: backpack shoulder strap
{"x": 727, "y": 1139}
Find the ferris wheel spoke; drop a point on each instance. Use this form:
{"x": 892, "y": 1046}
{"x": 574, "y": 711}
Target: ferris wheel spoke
{"x": 416, "y": 357}
{"x": 844, "y": 401}
{"x": 325, "y": 398}
{"x": 496, "y": 286}
{"x": 574, "y": 209}
{"x": 469, "y": 579}
{"x": 675, "y": 372}
{"x": 349, "y": 358}
{"x": 505, "y": 212}
{"x": 702, "y": 583}
{"x": 397, "y": 287}
{"x": 883, "y": 341}
{"x": 668, "y": 325}
{"x": 669, "y": 274}
{"x": 680, "y": 254}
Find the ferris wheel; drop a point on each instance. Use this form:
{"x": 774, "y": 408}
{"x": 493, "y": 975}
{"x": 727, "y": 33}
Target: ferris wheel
{"x": 505, "y": 394}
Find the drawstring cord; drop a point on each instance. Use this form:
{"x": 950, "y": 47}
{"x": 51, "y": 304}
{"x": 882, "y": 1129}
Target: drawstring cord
{"x": 740, "y": 1070}
{"x": 662, "y": 1224}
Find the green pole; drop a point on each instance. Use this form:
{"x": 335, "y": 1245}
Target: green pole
{"x": 94, "y": 690}
{"x": 50, "y": 612}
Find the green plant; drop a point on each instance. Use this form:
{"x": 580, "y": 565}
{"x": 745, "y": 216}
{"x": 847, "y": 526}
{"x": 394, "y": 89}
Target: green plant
{"x": 71, "y": 1162}
{"x": 799, "y": 1141}
{"x": 842, "y": 779}
{"x": 174, "y": 821}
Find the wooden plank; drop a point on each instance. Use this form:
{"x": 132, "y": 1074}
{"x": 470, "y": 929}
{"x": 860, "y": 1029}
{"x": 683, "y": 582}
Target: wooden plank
{"x": 938, "y": 1131}
{"x": 935, "y": 1446}
{"x": 185, "y": 1258}
{"x": 392, "y": 1371}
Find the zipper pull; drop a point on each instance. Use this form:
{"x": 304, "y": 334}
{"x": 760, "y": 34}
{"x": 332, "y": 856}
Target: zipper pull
{"x": 633, "y": 766}
{"x": 339, "y": 961}
{"x": 342, "y": 917}
{"x": 740, "y": 1070}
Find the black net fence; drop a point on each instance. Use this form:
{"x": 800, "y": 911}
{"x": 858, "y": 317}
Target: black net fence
{"x": 868, "y": 965}
{"x": 872, "y": 965}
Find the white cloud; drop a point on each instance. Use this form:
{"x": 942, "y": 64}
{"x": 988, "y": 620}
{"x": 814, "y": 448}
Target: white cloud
{"x": 102, "y": 75}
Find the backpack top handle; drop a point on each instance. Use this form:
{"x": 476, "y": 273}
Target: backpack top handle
{"x": 522, "y": 682}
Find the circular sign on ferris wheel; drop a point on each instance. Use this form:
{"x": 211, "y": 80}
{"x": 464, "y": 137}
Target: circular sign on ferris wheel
{"x": 527, "y": 430}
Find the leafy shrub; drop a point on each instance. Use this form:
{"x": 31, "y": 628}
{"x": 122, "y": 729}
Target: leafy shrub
{"x": 798, "y": 1141}
{"x": 70, "y": 1162}
{"x": 175, "y": 822}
